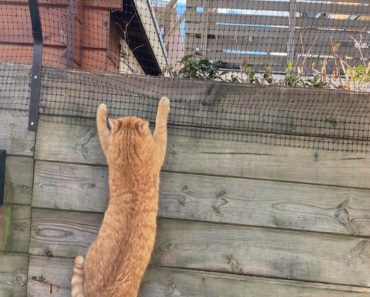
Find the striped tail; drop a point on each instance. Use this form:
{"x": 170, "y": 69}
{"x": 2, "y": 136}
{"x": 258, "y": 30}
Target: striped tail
{"x": 77, "y": 282}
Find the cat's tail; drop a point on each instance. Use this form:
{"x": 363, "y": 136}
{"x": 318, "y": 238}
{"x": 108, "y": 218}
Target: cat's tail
{"x": 77, "y": 282}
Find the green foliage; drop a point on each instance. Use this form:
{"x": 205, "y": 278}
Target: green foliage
{"x": 293, "y": 77}
{"x": 251, "y": 74}
{"x": 196, "y": 66}
{"x": 359, "y": 73}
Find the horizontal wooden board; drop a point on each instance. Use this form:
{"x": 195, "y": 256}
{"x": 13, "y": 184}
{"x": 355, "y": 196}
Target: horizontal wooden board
{"x": 15, "y": 222}
{"x": 277, "y": 33}
{"x": 18, "y": 180}
{"x": 53, "y": 21}
{"x": 329, "y": 7}
{"x": 97, "y": 4}
{"x": 14, "y": 135}
{"x": 214, "y": 199}
{"x": 306, "y": 42}
{"x": 52, "y": 56}
{"x": 79, "y": 144}
{"x": 213, "y": 18}
{"x": 282, "y": 20}
{"x": 70, "y": 186}
{"x": 159, "y": 282}
{"x": 217, "y": 247}
{"x": 240, "y": 4}
{"x": 276, "y": 110}
{"x": 13, "y": 275}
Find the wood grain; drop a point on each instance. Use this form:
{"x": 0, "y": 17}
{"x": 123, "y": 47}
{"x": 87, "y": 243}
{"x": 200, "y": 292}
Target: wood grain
{"x": 14, "y": 135}
{"x": 267, "y": 110}
{"x": 51, "y": 277}
{"x": 217, "y": 247}
{"x": 211, "y": 105}
{"x": 18, "y": 180}
{"x": 79, "y": 144}
{"x": 15, "y": 223}
{"x": 13, "y": 275}
{"x": 214, "y": 199}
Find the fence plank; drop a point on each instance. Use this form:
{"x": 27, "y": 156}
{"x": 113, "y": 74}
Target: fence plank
{"x": 159, "y": 282}
{"x": 13, "y": 275}
{"x": 212, "y": 105}
{"x": 14, "y": 135}
{"x": 18, "y": 180}
{"x": 262, "y": 20}
{"x": 54, "y": 25}
{"x": 334, "y": 8}
{"x": 241, "y": 4}
{"x": 214, "y": 199}
{"x": 15, "y": 222}
{"x": 216, "y": 247}
{"x": 79, "y": 144}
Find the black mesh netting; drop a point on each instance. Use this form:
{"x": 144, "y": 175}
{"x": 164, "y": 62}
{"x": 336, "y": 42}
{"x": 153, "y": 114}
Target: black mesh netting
{"x": 284, "y": 72}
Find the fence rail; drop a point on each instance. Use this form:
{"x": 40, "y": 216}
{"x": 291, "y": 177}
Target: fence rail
{"x": 278, "y": 32}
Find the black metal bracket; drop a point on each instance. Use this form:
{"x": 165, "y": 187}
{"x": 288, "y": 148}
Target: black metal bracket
{"x": 2, "y": 175}
{"x": 36, "y": 65}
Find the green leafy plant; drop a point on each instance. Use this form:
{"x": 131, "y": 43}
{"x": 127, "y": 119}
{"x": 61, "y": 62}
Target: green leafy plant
{"x": 251, "y": 74}
{"x": 293, "y": 77}
{"x": 196, "y": 66}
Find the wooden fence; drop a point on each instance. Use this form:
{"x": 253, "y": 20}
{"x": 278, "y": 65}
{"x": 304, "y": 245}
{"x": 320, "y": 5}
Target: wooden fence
{"x": 236, "y": 219}
{"x": 276, "y": 32}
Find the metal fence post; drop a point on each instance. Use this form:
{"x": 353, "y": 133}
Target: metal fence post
{"x": 36, "y": 65}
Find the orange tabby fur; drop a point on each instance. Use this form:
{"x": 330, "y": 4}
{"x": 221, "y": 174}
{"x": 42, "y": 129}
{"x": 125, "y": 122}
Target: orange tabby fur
{"x": 118, "y": 258}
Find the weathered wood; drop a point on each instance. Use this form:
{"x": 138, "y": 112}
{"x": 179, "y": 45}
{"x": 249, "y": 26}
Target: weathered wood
{"x": 215, "y": 247}
{"x": 144, "y": 11}
{"x": 277, "y": 110}
{"x": 79, "y": 144}
{"x": 214, "y": 199}
{"x": 22, "y": 53}
{"x": 282, "y": 20}
{"x": 54, "y": 25}
{"x": 331, "y": 7}
{"x": 51, "y": 277}
{"x": 62, "y": 233}
{"x": 13, "y": 275}
{"x": 99, "y": 21}
{"x": 15, "y": 222}
{"x": 14, "y": 135}
{"x": 96, "y": 4}
{"x": 18, "y": 180}
{"x": 69, "y": 186}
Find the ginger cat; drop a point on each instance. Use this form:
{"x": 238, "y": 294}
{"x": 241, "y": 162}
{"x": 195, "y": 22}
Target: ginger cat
{"x": 117, "y": 259}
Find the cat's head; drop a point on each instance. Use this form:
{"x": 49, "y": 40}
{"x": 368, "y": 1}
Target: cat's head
{"x": 130, "y": 137}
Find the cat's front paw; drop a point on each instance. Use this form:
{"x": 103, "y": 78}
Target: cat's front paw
{"x": 102, "y": 111}
{"x": 164, "y": 104}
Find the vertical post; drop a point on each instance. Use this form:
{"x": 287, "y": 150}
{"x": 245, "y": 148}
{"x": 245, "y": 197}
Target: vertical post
{"x": 292, "y": 25}
{"x": 205, "y": 27}
{"x": 74, "y": 33}
{"x": 2, "y": 175}
{"x": 36, "y": 65}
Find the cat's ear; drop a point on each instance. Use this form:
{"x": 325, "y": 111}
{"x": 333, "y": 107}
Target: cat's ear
{"x": 112, "y": 125}
{"x": 142, "y": 126}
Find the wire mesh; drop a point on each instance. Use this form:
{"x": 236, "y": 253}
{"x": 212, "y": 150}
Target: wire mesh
{"x": 282, "y": 72}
